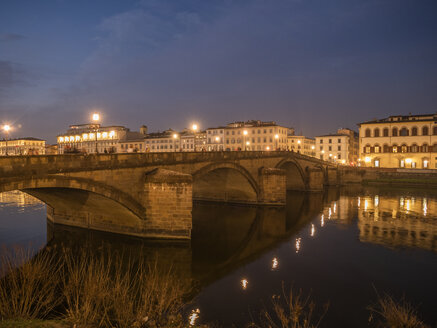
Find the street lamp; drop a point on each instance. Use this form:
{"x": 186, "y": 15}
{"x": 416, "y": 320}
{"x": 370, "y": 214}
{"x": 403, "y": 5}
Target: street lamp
{"x": 175, "y": 136}
{"x": 247, "y": 144}
{"x": 245, "y": 134}
{"x": 276, "y": 141}
{"x": 96, "y": 119}
{"x": 6, "y": 128}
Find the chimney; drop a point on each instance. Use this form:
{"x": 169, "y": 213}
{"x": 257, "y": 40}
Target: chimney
{"x": 143, "y": 129}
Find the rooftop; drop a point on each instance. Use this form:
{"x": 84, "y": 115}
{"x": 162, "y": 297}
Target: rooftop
{"x": 403, "y": 118}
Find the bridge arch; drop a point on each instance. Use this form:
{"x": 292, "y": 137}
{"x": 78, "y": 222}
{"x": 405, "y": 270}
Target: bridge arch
{"x": 41, "y": 187}
{"x": 296, "y": 178}
{"x": 225, "y": 181}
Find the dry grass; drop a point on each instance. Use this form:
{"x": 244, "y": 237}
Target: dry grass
{"x": 389, "y": 313}
{"x": 89, "y": 290}
{"x": 290, "y": 310}
{"x": 29, "y": 291}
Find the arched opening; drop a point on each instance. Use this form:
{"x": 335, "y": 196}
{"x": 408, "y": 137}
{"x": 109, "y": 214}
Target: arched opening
{"x": 394, "y": 132}
{"x": 376, "y": 132}
{"x": 414, "y": 131}
{"x": 385, "y": 132}
{"x": 367, "y": 133}
{"x": 224, "y": 184}
{"x": 404, "y": 132}
{"x": 425, "y": 131}
{"x": 295, "y": 178}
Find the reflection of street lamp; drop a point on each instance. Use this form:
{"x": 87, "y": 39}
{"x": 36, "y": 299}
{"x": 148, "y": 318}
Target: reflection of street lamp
{"x": 6, "y": 128}
{"x": 96, "y": 118}
{"x": 276, "y": 141}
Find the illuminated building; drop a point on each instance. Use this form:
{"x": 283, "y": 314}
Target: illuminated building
{"x": 87, "y": 138}
{"x": 22, "y": 146}
{"x": 302, "y": 145}
{"x": 215, "y": 139}
{"x": 341, "y": 148}
{"x": 399, "y": 141}
{"x": 254, "y": 135}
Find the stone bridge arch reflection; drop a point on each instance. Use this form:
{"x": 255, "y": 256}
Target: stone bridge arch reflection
{"x": 225, "y": 237}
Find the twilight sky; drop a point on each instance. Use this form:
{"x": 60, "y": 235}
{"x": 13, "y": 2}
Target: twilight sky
{"x": 316, "y": 65}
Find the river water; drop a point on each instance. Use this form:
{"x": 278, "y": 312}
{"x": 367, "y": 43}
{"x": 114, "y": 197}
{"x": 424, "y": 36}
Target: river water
{"x": 343, "y": 247}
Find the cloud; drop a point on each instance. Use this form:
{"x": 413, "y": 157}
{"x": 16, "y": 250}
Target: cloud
{"x": 5, "y": 37}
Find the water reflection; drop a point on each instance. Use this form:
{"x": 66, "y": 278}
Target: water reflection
{"x": 257, "y": 247}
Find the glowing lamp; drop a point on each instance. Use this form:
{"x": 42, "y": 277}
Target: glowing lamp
{"x": 217, "y": 139}
{"x": 6, "y": 127}
{"x": 267, "y": 148}
{"x": 112, "y": 134}
{"x": 194, "y": 127}
{"x": 85, "y": 136}
{"x": 408, "y": 161}
{"x": 96, "y": 117}
{"x": 245, "y": 132}
{"x": 298, "y": 141}
{"x": 105, "y": 134}
{"x": 367, "y": 159}
{"x": 175, "y": 136}
{"x": 276, "y": 136}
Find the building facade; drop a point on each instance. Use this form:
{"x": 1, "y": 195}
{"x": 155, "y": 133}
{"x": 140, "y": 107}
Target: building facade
{"x": 215, "y": 139}
{"x": 22, "y": 146}
{"x": 91, "y": 138}
{"x": 399, "y": 142}
{"x": 302, "y": 145}
{"x": 341, "y": 148}
{"x": 255, "y": 135}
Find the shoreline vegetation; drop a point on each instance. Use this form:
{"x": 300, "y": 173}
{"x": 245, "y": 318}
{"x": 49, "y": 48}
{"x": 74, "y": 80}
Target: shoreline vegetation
{"x": 81, "y": 288}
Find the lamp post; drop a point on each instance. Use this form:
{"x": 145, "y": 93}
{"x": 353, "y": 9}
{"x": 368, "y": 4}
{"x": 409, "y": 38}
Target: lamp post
{"x": 175, "y": 136}
{"x": 96, "y": 118}
{"x": 195, "y": 127}
{"x": 276, "y": 141}
{"x": 217, "y": 140}
{"x": 245, "y": 143}
{"x": 6, "y": 128}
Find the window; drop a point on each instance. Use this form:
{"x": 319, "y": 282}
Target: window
{"x": 425, "y": 148}
{"x": 414, "y": 148}
{"x": 338, "y": 156}
{"x": 395, "y": 149}
{"x": 376, "y": 132}
{"x": 404, "y": 148}
{"x": 339, "y": 148}
{"x": 321, "y": 140}
{"x": 330, "y": 148}
{"x": 367, "y": 149}
{"x": 402, "y": 163}
{"x": 330, "y": 140}
{"x": 385, "y": 132}
{"x": 425, "y": 163}
{"x": 404, "y": 132}
{"x": 339, "y": 140}
{"x": 377, "y": 149}
{"x": 414, "y": 131}
{"x": 376, "y": 162}
{"x": 321, "y": 147}
{"x": 434, "y": 130}
{"x": 394, "y": 132}
{"x": 425, "y": 131}
{"x": 367, "y": 133}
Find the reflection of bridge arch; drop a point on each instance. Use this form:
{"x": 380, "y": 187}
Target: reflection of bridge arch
{"x": 225, "y": 181}
{"x": 30, "y": 184}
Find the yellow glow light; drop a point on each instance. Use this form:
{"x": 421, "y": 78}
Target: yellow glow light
{"x": 61, "y": 139}
{"x": 408, "y": 161}
{"x": 367, "y": 159}
{"x": 343, "y": 161}
{"x": 92, "y": 135}
{"x": 77, "y": 138}
{"x": 322, "y": 151}
{"x": 194, "y": 316}
{"x": 276, "y": 136}
{"x": 245, "y": 132}
{"x": 312, "y": 147}
{"x": 313, "y": 230}
{"x": 85, "y": 136}
{"x": 105, "y": 134}
{"x": 175, "y": 136}
{"x": 111, "y": 134}
{"x": 298, "y": 141}
{"x": 96, "y": 117}
{"x": 194, "y": 127}
{"x": 298, "y": 241}
{"x": 6, "y": 127}
{"x": 244, "y": 283}
{"x": 98, "y": 135}
{"x": 247, "y": 143}
{"x": 267, "y": 148}
{"x": 217, "y": 139}
{"x": 275, "y": 263}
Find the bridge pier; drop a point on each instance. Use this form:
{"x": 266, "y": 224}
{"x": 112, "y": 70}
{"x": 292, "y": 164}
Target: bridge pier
{"x": 273, "y": 186}
{"x": 332, "y": 173}
{"x": 315, "y": 179}
{"x": 168, "y": 200}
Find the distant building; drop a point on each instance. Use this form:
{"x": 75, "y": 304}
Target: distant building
{"x": 302, "y": 145}
{"x": 22, "y": 146}
{"x": 51, "y": 149}
{"x": 215, "y": 139}
{"x": 399, "y": 141}
{"x": 89, "y": 138}
{"x": 255, "y": 135}
{"x": 341, "y": 147}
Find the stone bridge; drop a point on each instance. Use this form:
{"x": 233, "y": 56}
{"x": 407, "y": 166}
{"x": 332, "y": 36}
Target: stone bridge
{"x": 150, "y": 195}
